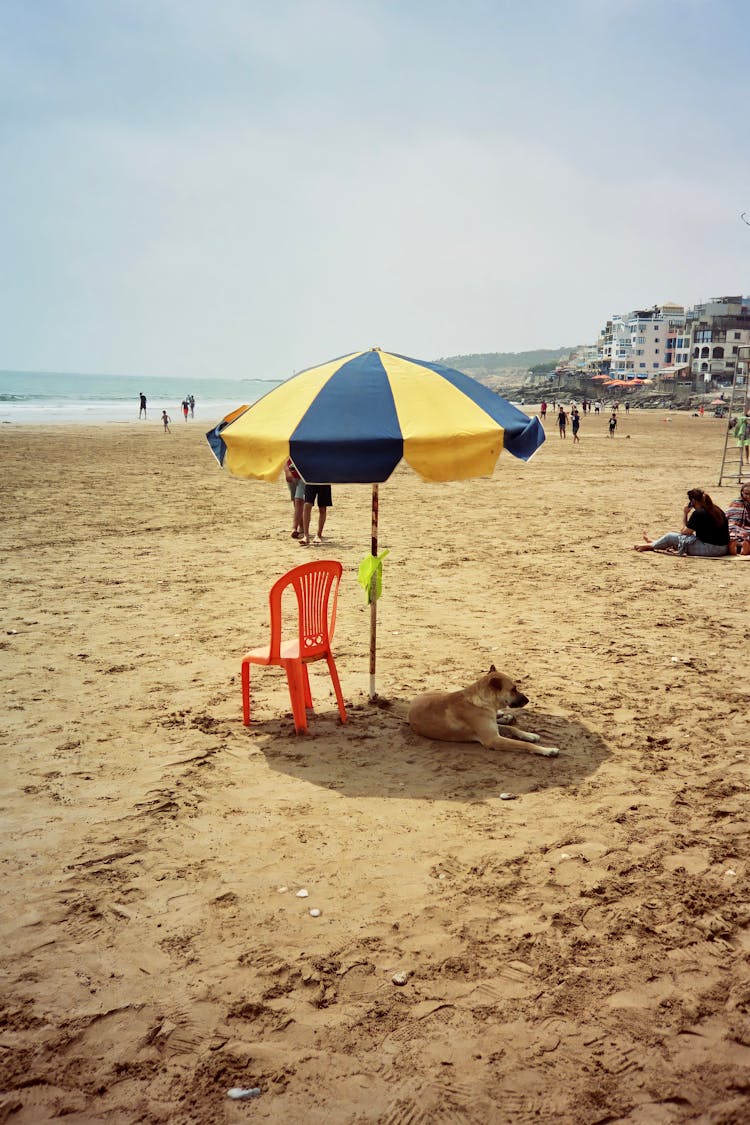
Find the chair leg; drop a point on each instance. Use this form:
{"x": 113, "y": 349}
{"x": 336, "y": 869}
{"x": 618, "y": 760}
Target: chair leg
{"x": 246, "y": 694}
{"x": 306, "y": 683}
{"x": 297, "y": 694}
{"x": 336, "y": 686}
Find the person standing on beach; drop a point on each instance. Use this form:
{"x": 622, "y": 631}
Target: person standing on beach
{"x": 185, "y": 409}
{"x": 612, "y": 424}
{"x": 742, "y": 435}
{"x": 321, "y": 493}
{"x": 576, "y": 423}
{"x": 296, "y": 487}
{"x": 165, "y": 421}
{"x": 562, "y": 421}
{"x": 142, "y": 407}
{"x": 543, "y": 410}
{"x": 191, "y": 400}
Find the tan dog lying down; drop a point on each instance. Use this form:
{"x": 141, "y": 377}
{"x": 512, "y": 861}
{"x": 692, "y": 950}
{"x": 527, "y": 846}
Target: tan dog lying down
{"x": 472, "y": 715}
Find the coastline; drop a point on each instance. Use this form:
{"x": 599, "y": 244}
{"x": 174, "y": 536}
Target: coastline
{"x": 102, "y": 414}
{"x": 575, "y": 952}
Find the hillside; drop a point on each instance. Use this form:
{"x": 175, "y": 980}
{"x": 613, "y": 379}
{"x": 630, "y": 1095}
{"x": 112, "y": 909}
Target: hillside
{"x": 504, "y": 363}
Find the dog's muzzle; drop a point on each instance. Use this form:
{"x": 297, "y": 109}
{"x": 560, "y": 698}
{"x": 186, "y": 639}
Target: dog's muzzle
{"x": 519, "y": 700}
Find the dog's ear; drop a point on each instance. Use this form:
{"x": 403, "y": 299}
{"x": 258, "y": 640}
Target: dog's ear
{"x": 497, "y": 682}
{"x": 492, "y": 669}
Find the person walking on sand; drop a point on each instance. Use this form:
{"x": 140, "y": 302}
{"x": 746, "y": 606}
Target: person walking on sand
{"x": 321, "y": 493}
{"x": 543, "y": 410}
{"x": 296, "y": 487}
{"x": 185, "y": 409}
{"x": 705, "y": 530}
{"x": 562, "y": 421}
{"x": 165, "y": 421}
{"x": 142, "y": 407}
{"x": 191, "y": 401}
{"x": 575, "y": 419}
{"x": 612, "y": 424}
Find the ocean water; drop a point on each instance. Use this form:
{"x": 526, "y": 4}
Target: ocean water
{"x": 51, "y": 397}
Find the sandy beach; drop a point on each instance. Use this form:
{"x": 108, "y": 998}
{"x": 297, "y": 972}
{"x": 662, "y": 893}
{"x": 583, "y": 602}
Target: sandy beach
{"x": 578, "y": 954}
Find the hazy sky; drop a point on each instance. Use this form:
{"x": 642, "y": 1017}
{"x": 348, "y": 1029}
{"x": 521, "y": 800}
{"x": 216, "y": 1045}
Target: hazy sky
{"x": 245, "y": 188}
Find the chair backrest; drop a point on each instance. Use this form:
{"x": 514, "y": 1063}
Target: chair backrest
{"x": 316, "y": 586}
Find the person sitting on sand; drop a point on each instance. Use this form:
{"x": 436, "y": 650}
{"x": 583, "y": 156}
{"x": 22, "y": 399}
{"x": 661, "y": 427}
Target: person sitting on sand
{"x": 705, "y": 530}
{"x": 738, "y": 515}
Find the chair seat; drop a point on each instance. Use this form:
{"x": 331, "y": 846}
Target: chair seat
{"x": 288, "y": 650}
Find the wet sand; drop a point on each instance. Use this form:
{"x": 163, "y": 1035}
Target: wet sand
{"x": 577, "y": 954}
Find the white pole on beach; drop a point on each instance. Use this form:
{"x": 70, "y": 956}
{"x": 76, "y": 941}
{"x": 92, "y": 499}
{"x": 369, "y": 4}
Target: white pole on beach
{"x": 373, "y": 593}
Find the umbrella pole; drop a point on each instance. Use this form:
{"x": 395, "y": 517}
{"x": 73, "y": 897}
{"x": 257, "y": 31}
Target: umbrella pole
{"x": 373, "y": 593}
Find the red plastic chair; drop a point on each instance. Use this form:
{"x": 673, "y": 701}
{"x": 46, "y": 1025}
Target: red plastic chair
{"x": 316, "y": 586}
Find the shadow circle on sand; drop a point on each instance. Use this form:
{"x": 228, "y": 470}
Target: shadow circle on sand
{"x": 376, "y": 754}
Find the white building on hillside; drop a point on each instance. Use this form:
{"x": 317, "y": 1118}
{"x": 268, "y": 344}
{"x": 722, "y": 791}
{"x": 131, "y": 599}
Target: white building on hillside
{"x": 639, "y": 344}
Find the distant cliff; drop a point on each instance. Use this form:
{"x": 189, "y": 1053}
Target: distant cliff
{"x": 504, "y": 364}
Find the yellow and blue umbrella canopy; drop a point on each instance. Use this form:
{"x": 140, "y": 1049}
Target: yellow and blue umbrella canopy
{"x": 351, "y": 420}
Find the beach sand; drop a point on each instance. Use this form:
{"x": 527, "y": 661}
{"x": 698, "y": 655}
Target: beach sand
{"x": 577, "y": 955}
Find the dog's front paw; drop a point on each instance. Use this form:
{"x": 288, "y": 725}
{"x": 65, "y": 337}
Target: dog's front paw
{"x": 506, "y": 718}
{"x": 548, "y": 751}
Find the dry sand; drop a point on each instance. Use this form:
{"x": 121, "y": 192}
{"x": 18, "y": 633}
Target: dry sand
{"x": 576, "y": 955}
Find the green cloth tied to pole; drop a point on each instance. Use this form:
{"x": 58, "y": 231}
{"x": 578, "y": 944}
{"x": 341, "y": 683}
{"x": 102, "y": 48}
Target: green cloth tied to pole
{"x": 371, "y": 568}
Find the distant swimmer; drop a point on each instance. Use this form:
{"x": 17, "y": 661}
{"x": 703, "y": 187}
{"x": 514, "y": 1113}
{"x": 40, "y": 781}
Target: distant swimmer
{"x": 142, "y": 408}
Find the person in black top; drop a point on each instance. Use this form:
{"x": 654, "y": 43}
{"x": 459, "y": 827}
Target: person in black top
{"x": 705, "y": 530}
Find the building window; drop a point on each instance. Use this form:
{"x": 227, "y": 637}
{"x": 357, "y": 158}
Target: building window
{"x": 718, "y": 353}
{"x": 737, "y": 336}
{"x": 704, "y": 353}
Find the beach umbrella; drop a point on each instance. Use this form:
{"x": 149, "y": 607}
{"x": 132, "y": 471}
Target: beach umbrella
{"x": 353, "y": 419}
